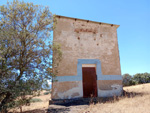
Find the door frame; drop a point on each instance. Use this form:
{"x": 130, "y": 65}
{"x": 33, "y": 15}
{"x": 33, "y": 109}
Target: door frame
{"x": 89, "y": 63}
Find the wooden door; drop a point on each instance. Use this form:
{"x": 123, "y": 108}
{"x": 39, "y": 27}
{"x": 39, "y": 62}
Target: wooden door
{"x": 89, "y": 82}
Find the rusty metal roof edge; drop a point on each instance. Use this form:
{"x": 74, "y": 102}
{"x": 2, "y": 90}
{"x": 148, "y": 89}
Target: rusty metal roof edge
{"x": 88, "y": 20}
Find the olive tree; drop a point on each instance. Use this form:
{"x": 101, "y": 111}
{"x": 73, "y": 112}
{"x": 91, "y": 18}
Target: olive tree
{"x": 25, "y": 51}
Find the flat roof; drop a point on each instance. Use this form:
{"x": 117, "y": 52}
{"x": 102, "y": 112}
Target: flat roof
{"x": 87, "y": 20}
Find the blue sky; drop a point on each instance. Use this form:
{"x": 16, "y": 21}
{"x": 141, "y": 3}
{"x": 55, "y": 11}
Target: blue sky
{"x": 133, "y": 16}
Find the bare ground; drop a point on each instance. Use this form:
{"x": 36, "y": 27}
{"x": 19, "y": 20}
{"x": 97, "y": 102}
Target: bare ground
{"x": 136, "y": 99}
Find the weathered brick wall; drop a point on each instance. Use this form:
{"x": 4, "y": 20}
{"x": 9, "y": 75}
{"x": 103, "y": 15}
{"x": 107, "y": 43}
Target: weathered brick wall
{"x": 80, "y": 39}
{"x": 86, "y": 40}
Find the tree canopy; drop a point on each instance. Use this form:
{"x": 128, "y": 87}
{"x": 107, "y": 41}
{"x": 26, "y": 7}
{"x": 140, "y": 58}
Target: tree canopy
{"x": 25, "y": 50}
{"x": 139, "y": 78}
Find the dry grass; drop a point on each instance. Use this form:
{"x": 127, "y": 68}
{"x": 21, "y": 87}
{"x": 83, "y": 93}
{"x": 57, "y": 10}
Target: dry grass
{"x": 137, "y": 100}
{"x": 37, "y": 105}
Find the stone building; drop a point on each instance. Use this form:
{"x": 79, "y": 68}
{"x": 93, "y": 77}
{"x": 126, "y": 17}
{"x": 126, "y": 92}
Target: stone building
{"x": 90, "y": 64}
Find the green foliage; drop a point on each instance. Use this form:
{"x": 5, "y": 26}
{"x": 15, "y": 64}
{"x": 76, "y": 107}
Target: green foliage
{"x": 25, "y": 51}
{"x": 35, "y": 100}
{"x": 127, "y": 79}
{"x": 142, "y": 78}
{"x": 47, "y": 92}
{"x": 47, "y": 89}
{"x": 139, "y": 78}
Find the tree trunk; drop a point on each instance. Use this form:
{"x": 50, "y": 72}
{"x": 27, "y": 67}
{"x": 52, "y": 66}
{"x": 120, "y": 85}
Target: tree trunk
{"x": 20, "y": 109}
{"x": 3, "y": 106}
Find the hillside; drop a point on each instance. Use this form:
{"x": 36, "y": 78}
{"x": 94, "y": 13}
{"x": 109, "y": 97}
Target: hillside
{"x": 135, "y": 100}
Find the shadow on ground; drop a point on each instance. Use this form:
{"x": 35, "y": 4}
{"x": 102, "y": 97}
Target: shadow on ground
{"x": 131, "y": 94}
{"x": 58, "y": 110}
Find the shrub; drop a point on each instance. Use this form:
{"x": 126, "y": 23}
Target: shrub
{"x": 35, "y": 100}
{"x": 47, "y": 92}
{"x": 127, "y": 80}
{"x": 139, "y": 78}
{"x": 48, "y": 89}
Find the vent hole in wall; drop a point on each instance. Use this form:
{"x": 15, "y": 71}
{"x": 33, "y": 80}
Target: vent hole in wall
{"x": 94, "y": 32}
{"x": 101, "y": 35}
